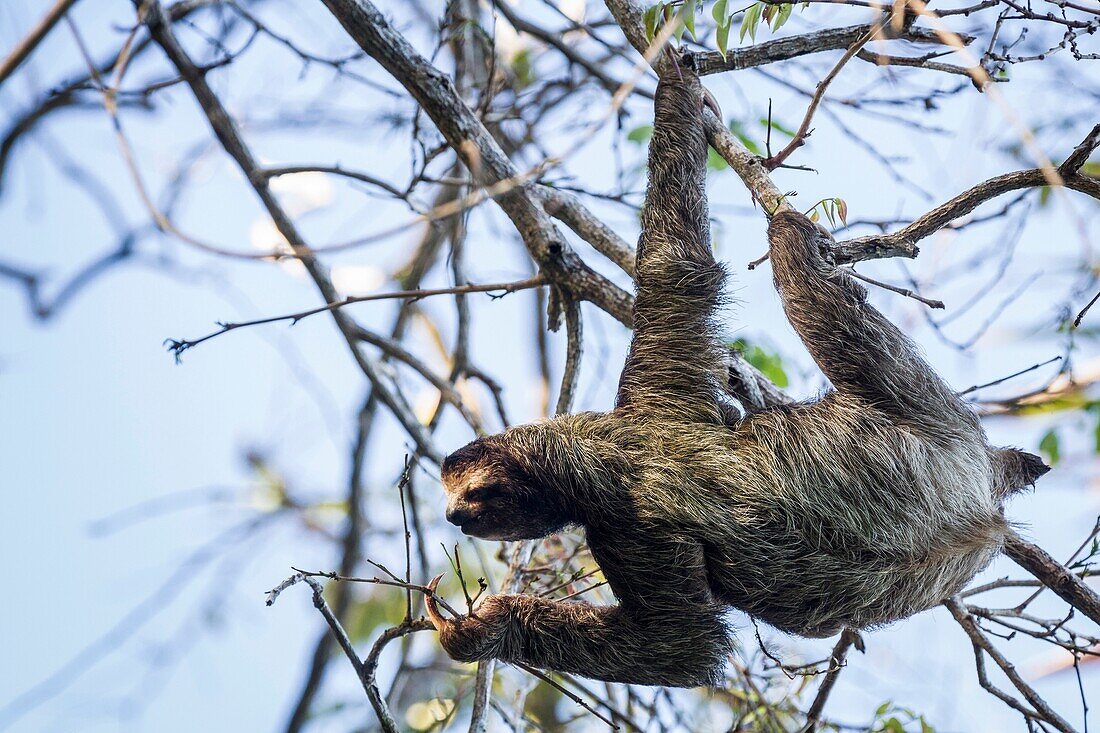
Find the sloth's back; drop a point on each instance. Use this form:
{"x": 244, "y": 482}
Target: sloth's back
{"x": 841, "y": 516}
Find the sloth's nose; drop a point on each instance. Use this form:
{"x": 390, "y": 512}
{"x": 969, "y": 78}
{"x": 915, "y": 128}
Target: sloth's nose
{"x": 459, "y": 515}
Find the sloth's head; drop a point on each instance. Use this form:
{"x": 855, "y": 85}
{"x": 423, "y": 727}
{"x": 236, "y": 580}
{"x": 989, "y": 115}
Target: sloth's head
{"x": 495, "y": 492}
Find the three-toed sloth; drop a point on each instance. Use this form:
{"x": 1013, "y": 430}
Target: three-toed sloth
{"x": 868, "y": 505}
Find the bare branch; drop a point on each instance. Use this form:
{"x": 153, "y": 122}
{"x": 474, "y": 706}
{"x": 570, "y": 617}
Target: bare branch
{"x": 837, "y": 661}
{"x": 24, "y": 48}
{"x": 177, "y": 347}
{"x": 781, "y": 49}
{"x": 1054, "y": 575}
{"x": 479, "y": 151}
{"x": 1041, "y": 710}
{"x": 803, "y": 131}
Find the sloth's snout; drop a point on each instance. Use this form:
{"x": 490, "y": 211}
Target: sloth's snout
{"x": 459, "y": 515}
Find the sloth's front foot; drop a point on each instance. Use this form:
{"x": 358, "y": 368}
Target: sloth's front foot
{"x": 468, "y": 638}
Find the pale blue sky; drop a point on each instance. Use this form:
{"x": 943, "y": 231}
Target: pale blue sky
{"x": 96, "y": 417}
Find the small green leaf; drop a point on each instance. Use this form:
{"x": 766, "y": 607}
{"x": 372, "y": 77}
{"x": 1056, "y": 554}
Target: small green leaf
{"x": 777, "y": 126}
{"x": 783, "y": 16}
{"x": 750, "y": 21}
{"x": 640, "y": 135}
{"x": 523, "y": 68}
{"x": 739, "y": 132}
{"x": 652, "y": 19}
{"x": 722, "y": 37}
{"x": 721, "y": 13}
{"x": 688, "y": 14}
{"x": 1049, "y": 447}
{"x": 842, "y": 210}
{"x": 769, "y": 363}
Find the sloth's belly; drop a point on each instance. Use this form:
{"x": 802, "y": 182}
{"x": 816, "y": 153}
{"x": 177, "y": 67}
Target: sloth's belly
{"x": 812, "y": 577}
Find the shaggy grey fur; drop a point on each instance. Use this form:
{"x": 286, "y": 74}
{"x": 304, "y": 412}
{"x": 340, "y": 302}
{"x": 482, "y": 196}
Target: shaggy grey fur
{"x": 869, "y": 505}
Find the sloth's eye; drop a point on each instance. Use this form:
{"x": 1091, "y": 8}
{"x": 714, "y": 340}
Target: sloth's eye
{"x": 482, "y": 493}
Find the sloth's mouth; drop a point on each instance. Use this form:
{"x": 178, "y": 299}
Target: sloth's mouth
{"x": 481, "y": 527}
{"x": 471, "y": 524}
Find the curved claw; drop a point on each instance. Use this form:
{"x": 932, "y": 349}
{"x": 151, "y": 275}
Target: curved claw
{"x": 710, "y": 101}
{"x": 429, "y": 604}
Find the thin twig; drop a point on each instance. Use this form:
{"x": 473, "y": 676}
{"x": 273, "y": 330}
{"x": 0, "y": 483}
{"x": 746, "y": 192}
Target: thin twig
{"x": 936, "y": 304}
{"x": 177, "y": 347}
{"x": 24, "y": 48}
{"x": 995, "y": 382}
{"x": 848, "y": 637}
{"x": 804, "y": 131}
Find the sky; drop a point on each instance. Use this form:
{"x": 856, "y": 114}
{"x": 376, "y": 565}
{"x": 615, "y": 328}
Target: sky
{"x": 96, "y": 418}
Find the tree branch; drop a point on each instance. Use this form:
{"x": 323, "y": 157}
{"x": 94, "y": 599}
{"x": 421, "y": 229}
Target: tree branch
{"x": 781, "y": 49}
{"x": 480, "y": 152}
{"x": 24, "y": 48}
{"x": 230, "y": 138}
{"x": 177, "y": 347}
{"x": 1069, "y": 587}
{"x": 904, "y": 241}
{"x": 1042, "y": 711}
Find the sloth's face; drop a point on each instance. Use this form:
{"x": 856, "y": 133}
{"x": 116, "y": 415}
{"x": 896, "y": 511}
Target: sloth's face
{"x": 491, "y": 496}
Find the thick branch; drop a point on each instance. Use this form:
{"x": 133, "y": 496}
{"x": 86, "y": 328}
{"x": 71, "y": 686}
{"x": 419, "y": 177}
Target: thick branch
{"x": 567, "y": 208}
{"x": 480, "y": 152}
{"x": 831, "y": 39}
{"x": 903, "y": 243}
{"x": 1054, "y": 575}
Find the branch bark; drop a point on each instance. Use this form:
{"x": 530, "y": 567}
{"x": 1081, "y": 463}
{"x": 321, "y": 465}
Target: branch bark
{"x": 24, "y": 48}
{"x": 1054, "y": 575}
{"x": 225, "y": 129}
{"x": 831, "y": 39}
{"x": 480, "y": 152}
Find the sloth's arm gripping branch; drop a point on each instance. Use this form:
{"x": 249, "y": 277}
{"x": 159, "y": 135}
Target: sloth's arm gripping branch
{"x": 666, "y": 630}
{"x": 676, "y": 364}
{"x": 859, "y": 350}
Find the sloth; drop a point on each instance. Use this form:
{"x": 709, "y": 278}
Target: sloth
{"x": 876, "y": 501}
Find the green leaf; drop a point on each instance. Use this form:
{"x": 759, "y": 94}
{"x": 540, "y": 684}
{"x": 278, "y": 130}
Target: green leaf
{"x": 783, "y": 16}
{"x": 640, "y": 135}
{"x": 523, "y": 68}
{"x": 881, "y": 709}
{"x": 777, "y": 126}
{"x": 892, "y": 725}
{"x": 722, "y": 37}
{"x": 721, "y": 13}
{"x": 688, "y": 14}
{"x": 750, "y": 21}
{"x": 1049, "y": 447}
{"x": 652, "y": 19}
{"x": 769, "y": 363}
